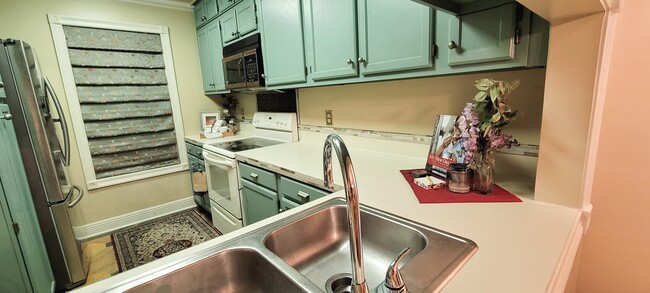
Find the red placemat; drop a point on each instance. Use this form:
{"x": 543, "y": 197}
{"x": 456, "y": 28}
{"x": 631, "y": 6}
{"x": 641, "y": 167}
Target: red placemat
{"x": 443, "y": 195}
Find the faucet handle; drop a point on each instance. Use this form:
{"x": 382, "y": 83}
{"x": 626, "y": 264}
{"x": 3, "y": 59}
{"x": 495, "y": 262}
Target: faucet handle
{"x": 394, "y": 279}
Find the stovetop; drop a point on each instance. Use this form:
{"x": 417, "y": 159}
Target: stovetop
{"x": 245, "y": 144}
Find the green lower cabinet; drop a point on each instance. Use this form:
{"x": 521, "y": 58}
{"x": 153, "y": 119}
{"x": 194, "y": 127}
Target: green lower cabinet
{"x": 282, "y": 42}
{"x": 294, "y": 193}
{"x": 259, "y": 202}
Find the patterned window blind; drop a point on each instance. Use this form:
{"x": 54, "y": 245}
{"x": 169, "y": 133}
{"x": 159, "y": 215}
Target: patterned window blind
{"x": 124, "y": 99}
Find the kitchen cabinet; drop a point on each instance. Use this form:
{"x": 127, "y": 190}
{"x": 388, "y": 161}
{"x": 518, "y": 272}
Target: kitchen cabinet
{"x": 294, "y": 193}
{"x": 24, "y": 260}
{"x": 282, "y": 42}
{"x": 210, "y": 56}
{"x": 197, "y": 164}
{"x": 2, "y": 90}
{"x": 484, "y": 36}
{"x": 344, "y": 38}
{"x": 226, "y": 4}
{"x": 238, "y": 22}
{"x": 204, "y": 11}
{"x": 259, "y": 193}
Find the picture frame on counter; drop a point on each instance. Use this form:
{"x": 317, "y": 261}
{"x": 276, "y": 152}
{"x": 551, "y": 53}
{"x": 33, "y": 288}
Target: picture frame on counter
{"x": 208, "y": 119}
{"x": 446, "y": 145}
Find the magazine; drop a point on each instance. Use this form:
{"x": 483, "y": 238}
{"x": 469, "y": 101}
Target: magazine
{"x": 446, "y": 145}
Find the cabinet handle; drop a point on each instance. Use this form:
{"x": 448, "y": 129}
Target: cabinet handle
{"x": 350, "y": 61}
{"x": 361, "y": 60}
{"x": 232, "y": 34}
{"x": 452, "y": 45}
{"x": 7, "y": 116}
{"x": 263, "y": 76}
{"x": 281, "y": 210}
{"x": 303, "y": 195}
{"x": 211, "y": 84}
{"x": 253, "y": 175}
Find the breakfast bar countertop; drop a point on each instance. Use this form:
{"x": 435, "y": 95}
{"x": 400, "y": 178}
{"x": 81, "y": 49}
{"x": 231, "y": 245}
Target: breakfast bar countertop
{"x": 522, "y": 246}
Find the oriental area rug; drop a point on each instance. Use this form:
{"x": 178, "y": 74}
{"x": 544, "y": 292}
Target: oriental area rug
{"x": 146, "y": 242}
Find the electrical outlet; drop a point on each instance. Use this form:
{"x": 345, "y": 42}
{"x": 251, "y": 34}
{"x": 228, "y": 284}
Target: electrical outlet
{"x": 328, "y": 117}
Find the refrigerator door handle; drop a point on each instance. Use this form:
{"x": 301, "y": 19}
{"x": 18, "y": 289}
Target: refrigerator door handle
{"x": 65, "y": 157}
{"x": 78, "y": 199}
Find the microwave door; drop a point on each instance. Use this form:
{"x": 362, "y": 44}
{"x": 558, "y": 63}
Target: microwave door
{"x": 233, "y": 68}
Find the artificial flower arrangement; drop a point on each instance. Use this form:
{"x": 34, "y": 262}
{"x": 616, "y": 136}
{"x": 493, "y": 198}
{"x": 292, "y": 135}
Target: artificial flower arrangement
{"x": 481, "y": 124}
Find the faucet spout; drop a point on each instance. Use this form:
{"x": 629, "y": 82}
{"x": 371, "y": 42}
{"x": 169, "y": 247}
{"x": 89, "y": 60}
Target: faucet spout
{"x": 335, "y": 142}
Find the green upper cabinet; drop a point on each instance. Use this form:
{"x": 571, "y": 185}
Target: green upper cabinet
{"x": 211, "y": 55}
{"x": 239, "y": 22}
{"x": 2, "y": 90}
{"x": 483, "y": 36}
{"x": 394, "y": 36}
{"x": 331, "y": 38}
{"x": 282, "y": 42}
{"x": 225, "y": 4}
{"x": 345, "y": 37}
{"x": 205, "y": 10}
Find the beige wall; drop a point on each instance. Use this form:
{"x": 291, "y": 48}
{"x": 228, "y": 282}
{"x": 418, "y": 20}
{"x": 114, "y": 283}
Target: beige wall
{"x": 27, "y": 20}
{"x": 411, "y": 106}
{"x": 570, "y": 80}
{"x": 614, "y": 254}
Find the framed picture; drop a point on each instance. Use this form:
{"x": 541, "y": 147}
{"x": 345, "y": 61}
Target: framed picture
{"x": 446, "y": 145}
{"x": 208, "y": 119}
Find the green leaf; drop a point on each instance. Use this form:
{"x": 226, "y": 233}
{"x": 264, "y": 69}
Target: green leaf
{"x": 496, "y": 117}
{"x": 483, "y": 84}
{"x": 494, "y": 94}
{"x": 480, "y": 96}
{"x": 485, "y": 125}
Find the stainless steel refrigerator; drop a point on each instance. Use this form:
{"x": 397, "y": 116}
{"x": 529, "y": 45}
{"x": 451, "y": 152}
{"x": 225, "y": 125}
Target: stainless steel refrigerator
{"x": 37, "y": 114}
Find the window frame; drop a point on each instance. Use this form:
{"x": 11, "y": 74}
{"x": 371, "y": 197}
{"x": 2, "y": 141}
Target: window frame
{"x": 56, "y": 25}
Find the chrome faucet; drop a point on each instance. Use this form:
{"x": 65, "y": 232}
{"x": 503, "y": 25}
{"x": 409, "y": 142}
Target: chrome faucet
{"x": 352, "y": 199}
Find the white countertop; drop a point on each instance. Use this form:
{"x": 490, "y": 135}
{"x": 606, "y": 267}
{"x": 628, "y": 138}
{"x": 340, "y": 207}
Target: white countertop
{"x": 521, "y": 246}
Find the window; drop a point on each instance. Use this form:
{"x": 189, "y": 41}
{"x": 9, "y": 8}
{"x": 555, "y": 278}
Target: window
{"x": 122, "y": 95}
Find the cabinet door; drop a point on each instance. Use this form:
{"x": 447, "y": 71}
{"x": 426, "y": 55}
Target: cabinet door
{"x": 259, "y": 202}
{"x": 216, "y": 54}
{"x": 14, "y": 275}
{"x": 225, "y": 4}
{"x": 331, "y": 38}
{"x": 199, "y": 14}
{"x": 391, "y": 41}
{"x": 205, "y": 57}
{"x": 483, "y": 36}
{"x": 228, "y": 27}
{"x": 246, "y": 18}
{"x": 282, "y": 41}
{"x": 211, "y": 8}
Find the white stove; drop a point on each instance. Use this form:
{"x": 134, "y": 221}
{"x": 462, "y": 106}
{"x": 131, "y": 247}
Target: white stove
{"x": 222, "y": 170}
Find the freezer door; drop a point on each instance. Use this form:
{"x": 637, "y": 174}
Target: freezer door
{"x": 69, "y": 245}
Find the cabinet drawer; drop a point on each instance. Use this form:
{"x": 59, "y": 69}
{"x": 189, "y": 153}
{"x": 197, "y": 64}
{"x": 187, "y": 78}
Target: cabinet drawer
{"x": 299, "y": 192}
{"x": 194, "y": 150}
{"x": 259, "y": 176}
{"x": 286, "y": 204}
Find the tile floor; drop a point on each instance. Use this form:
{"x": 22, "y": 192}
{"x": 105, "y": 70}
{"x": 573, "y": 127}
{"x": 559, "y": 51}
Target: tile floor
{"x": 99, "y": 255}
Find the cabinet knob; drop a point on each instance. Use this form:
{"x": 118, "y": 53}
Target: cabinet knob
{"x": 7, "y": 116}
{"x": 263, "y": 76}
{"x": 233, "y": 34}
{"x": 452, "y": 45}
{"x": 350, "y": 61}
{"x": 361, "y": 60}
{"x": 2, "y": 84}
{"x": 211, "y": 84}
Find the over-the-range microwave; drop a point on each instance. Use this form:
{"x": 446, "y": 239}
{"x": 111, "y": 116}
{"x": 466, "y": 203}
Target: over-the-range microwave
{"x": 242, "y": 64}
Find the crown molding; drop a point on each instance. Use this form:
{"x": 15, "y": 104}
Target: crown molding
{"x": 169, "y": 4}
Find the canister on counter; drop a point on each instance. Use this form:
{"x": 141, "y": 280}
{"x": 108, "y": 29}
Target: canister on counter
{"x": 458, "y": 179}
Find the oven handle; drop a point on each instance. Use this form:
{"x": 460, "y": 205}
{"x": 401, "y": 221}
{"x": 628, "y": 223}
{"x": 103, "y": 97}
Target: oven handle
{"x": 213, "y": 160}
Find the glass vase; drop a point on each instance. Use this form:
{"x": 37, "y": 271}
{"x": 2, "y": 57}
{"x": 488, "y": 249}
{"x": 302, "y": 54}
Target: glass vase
{"x": 484, "y": 174}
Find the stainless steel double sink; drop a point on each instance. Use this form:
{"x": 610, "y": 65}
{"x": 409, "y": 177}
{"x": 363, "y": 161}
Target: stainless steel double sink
{"x": 304, "y": 251}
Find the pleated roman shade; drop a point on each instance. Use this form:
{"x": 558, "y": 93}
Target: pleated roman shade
{"x": 124, "y": 99}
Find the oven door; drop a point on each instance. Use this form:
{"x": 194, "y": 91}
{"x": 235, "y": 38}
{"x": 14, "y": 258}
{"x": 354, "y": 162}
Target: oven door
{"x": 223, "y": 184}
{"x": 233, "y": 68}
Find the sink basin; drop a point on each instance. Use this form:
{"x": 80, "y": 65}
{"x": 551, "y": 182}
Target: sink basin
{"x": 317, "y": 246}
{"x": 235, "y": 270}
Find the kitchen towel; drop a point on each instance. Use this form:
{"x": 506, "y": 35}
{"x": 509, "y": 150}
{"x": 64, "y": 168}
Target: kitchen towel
{"x": 199, "y": 182}
{"x": 443, "y": 195}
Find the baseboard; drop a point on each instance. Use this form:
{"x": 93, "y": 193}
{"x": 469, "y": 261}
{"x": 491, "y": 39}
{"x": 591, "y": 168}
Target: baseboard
{"x": 110, "y": 225}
